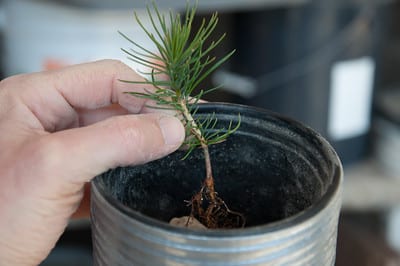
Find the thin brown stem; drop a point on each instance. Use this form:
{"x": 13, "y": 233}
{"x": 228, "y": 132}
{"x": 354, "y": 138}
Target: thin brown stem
{"x": 215, "y": 213}
{"x": 209, "y": 180}
{"x": 207, "y": 160}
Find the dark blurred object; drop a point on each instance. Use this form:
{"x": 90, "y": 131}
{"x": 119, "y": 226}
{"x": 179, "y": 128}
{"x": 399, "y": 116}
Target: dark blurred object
{"x": 390, "y": 51}
{"x": 2, "y": 24}
{"x": 204, "y": 5}
{"x": 361, "y": 242}
{"x": 387, "y": 130}
{"x": 387, "y": 104}
{"x": 287, "y": 60}
{"x": 67, "y": 256}
{"x": 73, "y": 248}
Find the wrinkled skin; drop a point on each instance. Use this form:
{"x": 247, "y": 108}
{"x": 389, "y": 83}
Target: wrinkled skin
{"x": 59, "y": 129}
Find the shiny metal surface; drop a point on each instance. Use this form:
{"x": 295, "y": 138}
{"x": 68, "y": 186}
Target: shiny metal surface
{"x": 120, "y": 240}
{"x": 122, "y": 236}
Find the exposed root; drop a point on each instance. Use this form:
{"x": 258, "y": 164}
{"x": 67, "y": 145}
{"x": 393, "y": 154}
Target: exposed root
{"x": 207, "y": 207}
{"x": 213, "y": 212}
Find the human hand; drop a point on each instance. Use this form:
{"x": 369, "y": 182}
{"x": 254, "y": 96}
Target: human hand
{"x": 58, "y": 130}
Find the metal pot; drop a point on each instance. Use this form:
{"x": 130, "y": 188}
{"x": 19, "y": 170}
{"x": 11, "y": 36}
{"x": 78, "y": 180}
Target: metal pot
{"x": 284, "y": 177}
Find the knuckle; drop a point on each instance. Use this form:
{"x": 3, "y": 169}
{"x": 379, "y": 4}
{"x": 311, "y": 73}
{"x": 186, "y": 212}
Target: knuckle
{"x": 115, "y": 63}
{"x": 9, "y": 81}
{"x": 14, "y": 81}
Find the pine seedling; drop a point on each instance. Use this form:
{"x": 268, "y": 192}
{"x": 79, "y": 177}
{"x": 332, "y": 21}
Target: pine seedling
{"x": 184, "y": 58}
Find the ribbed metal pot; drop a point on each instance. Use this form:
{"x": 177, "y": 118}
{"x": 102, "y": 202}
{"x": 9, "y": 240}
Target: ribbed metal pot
{"x": 283, "y": 176}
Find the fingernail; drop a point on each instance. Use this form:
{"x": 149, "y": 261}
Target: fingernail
{"x": 172, "y": 130}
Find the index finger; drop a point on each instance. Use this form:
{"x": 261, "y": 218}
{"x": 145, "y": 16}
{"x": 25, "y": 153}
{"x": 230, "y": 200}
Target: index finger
{"x": 97, "y": 84}
{"x": 52, "y": 98}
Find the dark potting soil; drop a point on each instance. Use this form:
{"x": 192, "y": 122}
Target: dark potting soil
{"x": 265, "y": 181}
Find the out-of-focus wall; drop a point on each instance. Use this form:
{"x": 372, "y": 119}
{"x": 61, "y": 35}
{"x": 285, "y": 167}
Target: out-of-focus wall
{"x": 40, "y": 35}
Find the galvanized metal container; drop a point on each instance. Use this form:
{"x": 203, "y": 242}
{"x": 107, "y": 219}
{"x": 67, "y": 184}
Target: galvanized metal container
{"x": 283, "y": 176}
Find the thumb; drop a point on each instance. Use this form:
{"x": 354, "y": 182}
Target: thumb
{"x": 118, "y": 141}
{"x": 44, "y": 183}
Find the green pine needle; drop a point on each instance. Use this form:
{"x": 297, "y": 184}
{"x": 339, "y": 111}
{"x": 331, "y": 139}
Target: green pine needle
{"x": 184, "y": 57}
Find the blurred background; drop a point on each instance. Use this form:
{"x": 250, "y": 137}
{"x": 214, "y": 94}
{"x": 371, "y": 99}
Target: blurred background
{"x": 332, "y": 64}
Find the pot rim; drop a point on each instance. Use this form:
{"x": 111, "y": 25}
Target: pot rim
{"x": 303, "y": 216}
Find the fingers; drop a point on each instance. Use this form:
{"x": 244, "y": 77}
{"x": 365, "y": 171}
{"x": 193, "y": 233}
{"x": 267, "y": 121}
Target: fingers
{"x": 90, "y": 116}
{"x": 42, "y": 173}
{"x": 97, "y": 84}
{"x": 52, "y": 97}
{"x": 122, "y": 140}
